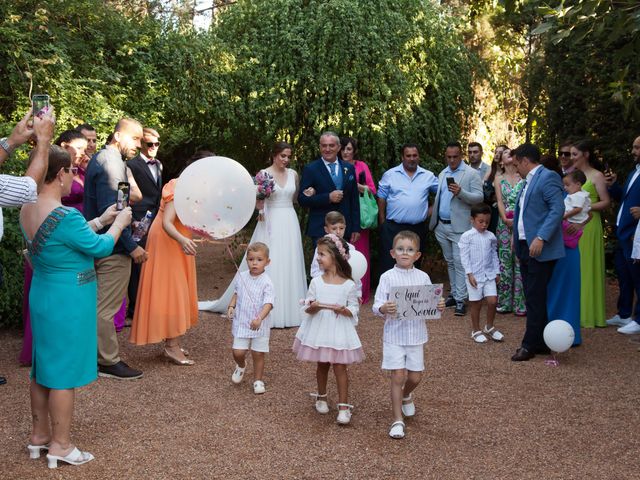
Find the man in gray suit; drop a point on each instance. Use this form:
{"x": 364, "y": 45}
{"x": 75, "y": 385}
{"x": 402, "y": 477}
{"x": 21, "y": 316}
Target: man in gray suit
{"x": 459, "y": 187}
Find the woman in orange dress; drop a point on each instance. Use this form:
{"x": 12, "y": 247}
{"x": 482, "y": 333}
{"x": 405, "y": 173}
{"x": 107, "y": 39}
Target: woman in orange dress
{"x": 167, "y": 302}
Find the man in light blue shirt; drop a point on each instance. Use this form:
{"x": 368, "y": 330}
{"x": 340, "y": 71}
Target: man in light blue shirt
{"x": 459, "y": 187}
{"x": 403, "y": 202}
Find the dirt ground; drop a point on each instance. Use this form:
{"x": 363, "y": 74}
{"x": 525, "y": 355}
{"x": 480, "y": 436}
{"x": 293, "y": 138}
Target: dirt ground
{"x": 479, "y": 415}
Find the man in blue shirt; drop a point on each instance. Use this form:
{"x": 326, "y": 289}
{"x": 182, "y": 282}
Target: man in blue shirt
{"x": 403, "y": 202}
{"x": 459, "y": 187}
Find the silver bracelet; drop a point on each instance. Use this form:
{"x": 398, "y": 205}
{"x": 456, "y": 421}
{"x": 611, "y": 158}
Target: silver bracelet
{"x": 98, "y": 223}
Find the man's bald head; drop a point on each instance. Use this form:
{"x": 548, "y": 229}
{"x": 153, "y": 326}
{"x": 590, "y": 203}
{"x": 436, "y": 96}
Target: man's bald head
{"x": 127, "y": 136}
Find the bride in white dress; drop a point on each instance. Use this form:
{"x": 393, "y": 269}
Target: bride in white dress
{"x": 279, "y": 228}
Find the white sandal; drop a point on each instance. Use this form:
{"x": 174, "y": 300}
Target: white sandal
{"x": 493, "y": 333}
{"x": 321, "y": 405}
{"x": 75, "y": 457}
{"x": 479, "y": 337}
{"x": 397, "y": 430}
{"x": 408, "y": 409}
{"x": 344, "y": 415}
{"x": 34, "y": 450}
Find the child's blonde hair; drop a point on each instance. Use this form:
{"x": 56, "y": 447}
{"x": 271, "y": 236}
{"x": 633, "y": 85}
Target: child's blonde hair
{"x": 407, "y": 235}
{"x": 334, "y": 217}
{"x": 258, "y": 247}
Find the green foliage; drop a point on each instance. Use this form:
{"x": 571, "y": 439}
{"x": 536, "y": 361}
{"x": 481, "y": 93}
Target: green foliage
{"x": 385, "y": 72}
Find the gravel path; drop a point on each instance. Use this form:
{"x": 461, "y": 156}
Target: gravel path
{"x": 479, "y": 415}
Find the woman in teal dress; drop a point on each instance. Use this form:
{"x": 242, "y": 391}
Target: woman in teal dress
{"x": 591, "y": 245}
{"x": 62, "y": 248}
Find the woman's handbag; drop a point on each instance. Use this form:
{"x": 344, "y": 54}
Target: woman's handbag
{"x": 368, "y": 210}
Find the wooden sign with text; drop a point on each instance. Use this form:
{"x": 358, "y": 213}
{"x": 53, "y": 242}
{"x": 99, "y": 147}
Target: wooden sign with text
{"x": 418, "y": 302}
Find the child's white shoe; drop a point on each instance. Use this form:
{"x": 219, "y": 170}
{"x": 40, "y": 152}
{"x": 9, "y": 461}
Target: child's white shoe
{"x": 344, "y": 415}
{"x": 493, "y": 333}
{"x": 408, "y": 409}
{"x": 478, "y": 337}
{"x": 258, "y": 387}
{"x": 321, "y": 403}
{"x": 238, "y": 373}
{"x": 397, "y": 430}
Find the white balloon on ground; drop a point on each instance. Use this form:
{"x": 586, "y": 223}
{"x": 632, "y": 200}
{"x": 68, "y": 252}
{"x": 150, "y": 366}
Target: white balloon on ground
{"x": 558, "y": 335}
{"x": 358, "y": 264}
{"x": 215, "y": 196}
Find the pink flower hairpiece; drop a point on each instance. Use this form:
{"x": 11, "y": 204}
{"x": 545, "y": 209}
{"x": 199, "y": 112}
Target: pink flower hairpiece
{"x": 339, "y": 245}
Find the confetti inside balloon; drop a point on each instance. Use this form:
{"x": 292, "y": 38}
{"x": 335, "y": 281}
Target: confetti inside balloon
{"x": 215, "y": 197}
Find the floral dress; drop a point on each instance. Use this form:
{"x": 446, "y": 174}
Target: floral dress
{"x": 510, "y": 291}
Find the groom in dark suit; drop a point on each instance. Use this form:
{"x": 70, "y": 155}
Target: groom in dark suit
{"x": 329, "y": 183}
{"x": 537, "y": 240}
{"x": 147, "y": 172}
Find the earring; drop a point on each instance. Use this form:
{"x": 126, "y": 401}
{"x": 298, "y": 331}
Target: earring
{"x": 62, "y": 184}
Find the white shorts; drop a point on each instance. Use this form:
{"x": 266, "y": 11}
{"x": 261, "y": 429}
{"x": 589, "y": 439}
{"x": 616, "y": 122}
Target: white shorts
{"x": 397, "y": 357}
{"x": 484, "y": 289}
{"x": 257, "y": 344}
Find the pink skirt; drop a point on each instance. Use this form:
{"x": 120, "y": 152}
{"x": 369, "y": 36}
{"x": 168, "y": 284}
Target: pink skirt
{"x": 326, "y": 354}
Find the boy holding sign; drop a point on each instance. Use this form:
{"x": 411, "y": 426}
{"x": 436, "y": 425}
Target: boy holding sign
{"x": 404, "y": 337}
{"x": 479, "y": 256}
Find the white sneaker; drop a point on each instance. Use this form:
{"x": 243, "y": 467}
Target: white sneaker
{"x": 344, "y": 416}
{"x": 258, "y": 387}
{"x": 238, "y": 373}
{"x": 408, "y": 409}
{"x": 321, "y": 403}
{"x": 630, "y": 328}
{"x": 616, "y": 321}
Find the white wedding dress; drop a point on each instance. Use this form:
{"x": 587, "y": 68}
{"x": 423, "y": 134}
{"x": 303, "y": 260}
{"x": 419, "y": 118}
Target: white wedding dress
{"x": 280, "y": 230}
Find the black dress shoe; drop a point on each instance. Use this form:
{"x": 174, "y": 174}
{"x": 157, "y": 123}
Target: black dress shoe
{"x": 522, "y": 355}
{"x": 120, "y": 371}
{"x": 450, "y": 302}
{"x": 3, "y": 380}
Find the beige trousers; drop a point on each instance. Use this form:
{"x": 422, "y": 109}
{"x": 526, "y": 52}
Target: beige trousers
{"x": 113, "y": 277}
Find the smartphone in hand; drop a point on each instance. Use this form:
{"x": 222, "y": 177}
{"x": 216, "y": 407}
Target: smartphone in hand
{"x": 40, "y": 104}
{"x": 451, "y": 180}
{"x": 122, "y": 197}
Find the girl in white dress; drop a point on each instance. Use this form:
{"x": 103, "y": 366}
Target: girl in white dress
{"x": 327, "y": 334}
{"x": 279, "y": 228}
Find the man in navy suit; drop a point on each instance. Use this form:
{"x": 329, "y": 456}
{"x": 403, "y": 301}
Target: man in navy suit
{"x": 537, "y": 239}
{"x": 626, "y": 222}
{"x": 329, "y": 183}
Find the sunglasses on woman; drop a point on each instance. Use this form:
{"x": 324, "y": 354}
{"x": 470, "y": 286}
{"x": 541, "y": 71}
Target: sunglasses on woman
{"x": 73, "y": 170}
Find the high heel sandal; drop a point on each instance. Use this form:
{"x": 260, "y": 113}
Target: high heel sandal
{"x": 34, "y": 450}
{"x": 75, "y": 457}
{"x": 185, "y": 363}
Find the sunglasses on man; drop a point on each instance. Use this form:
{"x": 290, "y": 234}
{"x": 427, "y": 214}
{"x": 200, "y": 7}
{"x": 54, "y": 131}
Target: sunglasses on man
{"x": 152, "y": 144}
{"x": 564, "y": 154}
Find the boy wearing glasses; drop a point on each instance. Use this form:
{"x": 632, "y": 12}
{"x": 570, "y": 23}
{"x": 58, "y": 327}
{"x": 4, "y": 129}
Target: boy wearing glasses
{"x": 403, "y": 340}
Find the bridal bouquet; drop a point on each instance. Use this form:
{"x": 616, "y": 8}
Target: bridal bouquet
{"x": 265, "y": 184}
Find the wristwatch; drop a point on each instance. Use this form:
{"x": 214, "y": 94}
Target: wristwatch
{"x": 540, "y": 238}
{"x": 5, "y": 146}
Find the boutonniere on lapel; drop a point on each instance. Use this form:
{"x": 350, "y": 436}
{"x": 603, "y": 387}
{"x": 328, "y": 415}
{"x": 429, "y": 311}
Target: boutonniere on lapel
{"x": 344, "y": 173}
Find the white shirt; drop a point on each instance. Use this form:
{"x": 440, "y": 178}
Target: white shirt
{"x": 479, "y": 254}
{"x": 401, "y": 332}
{"x": 579, "y": 199}
{"x": 153, "y": 168}
{"x": 14, "y": 192}
{"x": 633, "y": 179}
{"x": 532, "y": 172}
{"x": 253, "y": 294}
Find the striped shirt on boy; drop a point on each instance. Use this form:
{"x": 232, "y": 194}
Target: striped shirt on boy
{"x": 401, "y": 332}
{"x": 253, "y": 293}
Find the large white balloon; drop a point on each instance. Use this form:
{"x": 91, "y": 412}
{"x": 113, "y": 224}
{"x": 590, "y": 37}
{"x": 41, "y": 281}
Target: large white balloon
{"x": 358, "y": 264}
{"x": 215, "y": 196}
{"x": 558, "y": 335}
